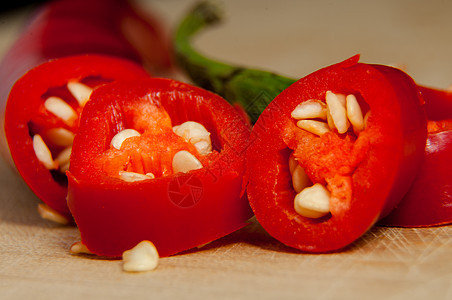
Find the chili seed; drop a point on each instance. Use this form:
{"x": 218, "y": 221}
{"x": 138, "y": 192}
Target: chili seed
{"x": 184, "y": 161}
{"x": 50, "y": 214}
{"x": 60, "y": 136}
{"x": 203, "y": 147}
{"x": 354, "y": 113}
{"x": 313, "y": 202}
{"x": 194, "y": 133}
{"x": 121, "y": 136}
{"x": 143, "y": 257}
{"x": 61, "y": 109}
{"x": 329, "y": 119}
{"x": 79, "y": 248}
{"x": 310, "y": 109}
{"x": 63, "y": 159}
{"x": 80, "y": 91}
{"x": 293, "y": 163}
{"x": 43, "y": 153}
{"x": 300, "y": 179}
{"x": 133, "y": 177}
{"x": 336, "y": 106}
{"x": 315, "y": 127}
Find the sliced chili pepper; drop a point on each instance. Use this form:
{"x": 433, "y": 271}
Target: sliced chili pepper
{"x": 71, "y": 27}
{"x": 42, "y": 116}
{"x": 429, "y": 200}
{"x": 335, "y": 152}
{"x": 139, "y": 171}
{"x": 254, "y": 90}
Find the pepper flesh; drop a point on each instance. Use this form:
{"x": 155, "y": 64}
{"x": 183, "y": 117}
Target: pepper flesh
{"x": 114, "y": 215}
{"x": 366, "y": 174}
{"x": 26, "y": 116}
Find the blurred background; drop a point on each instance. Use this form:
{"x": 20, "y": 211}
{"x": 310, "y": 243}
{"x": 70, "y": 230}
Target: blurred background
{"x": 297, "y": 37}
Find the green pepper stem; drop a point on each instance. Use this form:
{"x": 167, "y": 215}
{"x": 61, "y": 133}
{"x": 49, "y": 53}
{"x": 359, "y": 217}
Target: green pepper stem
{"x": 251, "y": 88}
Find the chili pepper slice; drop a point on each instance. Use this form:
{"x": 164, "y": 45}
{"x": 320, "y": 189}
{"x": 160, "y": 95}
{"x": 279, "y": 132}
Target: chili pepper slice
{"x": 42, "y": 115}
{"x": 428, "y": 202}
{"x": 254, "y": 90}
{"x": 335, "y": 152}
{"x": 74, "y": 27}
{"x": 158, "y": 160}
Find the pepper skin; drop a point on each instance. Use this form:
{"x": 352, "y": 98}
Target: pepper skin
{"x": 429, "y": 200}
{"x": 366, "y": 174}
{"x": 175, "y": 211}
{"x": 26, "y": 116}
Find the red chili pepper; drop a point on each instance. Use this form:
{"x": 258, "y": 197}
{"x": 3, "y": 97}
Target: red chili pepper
{"x": 122, "y": 194}
{"x": 71, "y": 27}
{"x": 345, "y": 181}
{"x": 43, "y": 113}
{"x": 429, "y": 200}
{"x": 59, "y": 29}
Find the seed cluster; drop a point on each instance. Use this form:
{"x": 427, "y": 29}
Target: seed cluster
{"x": 337, "y": 113}
{"x": 60, "y": 137}
{"x": 183, "y": 161}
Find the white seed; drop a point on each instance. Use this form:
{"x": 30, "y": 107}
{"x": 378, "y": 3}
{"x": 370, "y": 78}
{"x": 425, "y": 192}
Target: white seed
{"x": 63, "y": 159}
{"x": 121, "y": 136}
{"x": 184, "y": 161}
{"x": 61, "y": 109}
{"x": 337, "y": 110}
{"x": 300, "y": 179}
{"x": 194, "y": 132}
{"x": 203, "y": 147}
{"x": 133, "y": 177}
{"x": 310, "y": 109}
{"x": 354, "y": 113}
{"x": 329, "y": 119}
{"x": 60, "y": 136}
{"x": 316, "y": 127}
{"x": 293, "y": 163}
{"x": 80, "y": 91}
{"x": 313, "y": 202}
{"x": 50, "y": 214}
{"x": 43, "y": 153}
{"x": 143, "y": 257}
{"x": 79, "y": 248}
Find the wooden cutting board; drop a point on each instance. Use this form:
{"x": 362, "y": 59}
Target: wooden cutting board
{"x": 387, "y": 263}
{"x": 293, "y": 38}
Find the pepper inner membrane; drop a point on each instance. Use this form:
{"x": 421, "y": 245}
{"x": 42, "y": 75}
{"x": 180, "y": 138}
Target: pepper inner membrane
{"x": 150, "y": 146}
{"x": 328, "y": 138}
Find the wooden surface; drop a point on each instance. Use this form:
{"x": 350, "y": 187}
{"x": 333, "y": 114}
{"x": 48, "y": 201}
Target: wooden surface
{"x": 293, "y": 38}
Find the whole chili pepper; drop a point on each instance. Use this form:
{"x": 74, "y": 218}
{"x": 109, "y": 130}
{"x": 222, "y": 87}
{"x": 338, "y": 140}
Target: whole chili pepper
{"x": 158, "y": 160}
{"x": 42, "y": 116}
{"x": 254, "y": 90}
{"x": 334, "y": 153}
